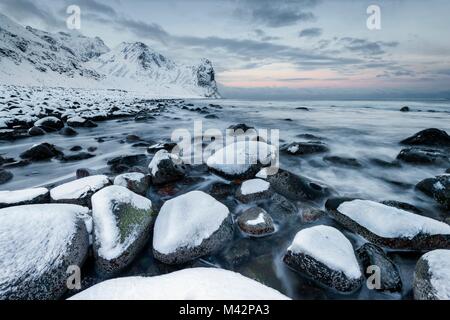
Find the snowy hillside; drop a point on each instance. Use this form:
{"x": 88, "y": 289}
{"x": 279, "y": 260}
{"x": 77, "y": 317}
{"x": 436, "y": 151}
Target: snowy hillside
{"x": 31, "y": 57}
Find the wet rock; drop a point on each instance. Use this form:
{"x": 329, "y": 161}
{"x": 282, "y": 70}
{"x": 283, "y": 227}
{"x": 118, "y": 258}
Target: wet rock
{"x": 124, "y": 163}
{"x": 447, "y": 171}
{"x": 305, "y": 148}
{"x": 36, "y": 131}
{"x": 68, "y": 132}
{"x": 134, "y": 181}
{"x": 405, "y": 230}
{"x": 372, "y": 255}
{"x": 76, "y": 122}
{"x": 312, "y": 214}
{"x": 129, "y": 217}
{"x": 302, "y": 108}
{"x": 16, "y": 164}
{"x": 77, "y": 157}
{"x": 191, "y": 226}
{"x": 256, "y": 222}
{"x": 423, "y": 156}
{"x": 132, "y": 138}
{"x": 432, "y": 276}
{"x": 437, "y": 188}
{"x": 37, "y": 245}
{"x": 166, "y": 167}
{"x": 211, "y": 116}
{"x": 23, "y": 197}
{"x": 76, "y": 148}
{"x": 324, "y": 254}
{"x": 342, "y": 161}
{"x": 5, "y": 176}
{"x": 40, "y": 152}
{"x": 241, "y": 127}
{"x": 386, "y": 164}
{"x": 295, "y": 187}
{"x": 253, "y": 190}
{"x": 279, "y": 207}
{"x": 405, "y": 109}
{"x": 90, "y": 124}
{"x": 49, "y": 124}
{"x": 429, "y": 137}
{"x": 82, "y": 173}
{"x": 168, "y": 146}
{"x": 220, "y": 190}
{"x": 79, "y": 191}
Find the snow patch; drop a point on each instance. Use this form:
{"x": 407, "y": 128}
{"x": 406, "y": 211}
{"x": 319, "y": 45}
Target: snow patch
{"x": 18, "y": 196}
{"x": 254, "y": 186}
{"x": 79, "y": 188}
{"x": 439, "y": 267}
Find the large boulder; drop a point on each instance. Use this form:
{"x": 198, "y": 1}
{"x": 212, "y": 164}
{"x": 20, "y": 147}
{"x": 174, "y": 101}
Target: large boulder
{"x": 324, "y": 254}
{"x": 40, "y": 152}
{"x": 187, "y": 284}
{"x": 166, "y": 167}
{"x": 122, "y": 223}
{"x": 79, "y": 191}
{"x": 123, "y": 164}
{"x": 437, "y": 188}
{"x": 190, "y": 226}
{"x": 392, "y": 227}
{"x": 24, "y": 197}
{"x": 372, "y": 255}
{"x": 429, "y": 137}
{"x": 432, "y": 276}
{"x": 135, "y": 181}
{"x": 242, "y": 160}
{"x": 253, "y": 190}
{"x": 294, "y": 187}
{"x": 37, "y": 245}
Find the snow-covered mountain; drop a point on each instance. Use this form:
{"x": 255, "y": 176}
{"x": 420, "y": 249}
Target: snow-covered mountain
{"x": 31, "y": 57}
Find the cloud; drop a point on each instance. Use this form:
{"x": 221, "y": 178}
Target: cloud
{"x": 26, "y": 10}
{"x": 310, "y": 33}
{"x": 276, "y": 14}
{"x": 366, "y": 47}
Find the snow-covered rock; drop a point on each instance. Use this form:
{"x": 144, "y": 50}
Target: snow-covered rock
{"x": 122, "y": 222}
{"x": 135, "y": 181}
{"x": 166, "y": 167}
{"x": 392, "y": 227}
{"x": 40, "y": 152}
{"x": 23, "y": 197}
{"x": 256, "y": 222}
{"x": 187, "y": 284}
{"x": 437, "y": 188}
{"x": 49, "y": 124}
{"x": 242, "y": 159}
{"x": 326, "y": 255}
{"x": 79, "y": 191}
{"x": 37, "y": 245}
{"x": 252, "y": 190}
{"x": 76, "y": 122}
{"x": 432, "y": 276}
{"x": 190, "y": 226}
{"x": 305, "y": 148}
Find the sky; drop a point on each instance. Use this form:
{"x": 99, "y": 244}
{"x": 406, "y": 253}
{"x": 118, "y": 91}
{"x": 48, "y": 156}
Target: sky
{"x": 278, "y": 48}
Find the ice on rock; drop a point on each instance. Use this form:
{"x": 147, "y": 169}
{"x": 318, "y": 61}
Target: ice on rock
{"x": 432, "y": 276}
{"x": 243, "y": 158}
{"x": 23, "y": 197}
{"x": 79, "y": 191}
{"x": 190, "y": 226}
{"x": 122, "y": 221}
{"x": 187, "y": 284}
{"x": 37, "y": 244}
{"x": 326, "y": 255}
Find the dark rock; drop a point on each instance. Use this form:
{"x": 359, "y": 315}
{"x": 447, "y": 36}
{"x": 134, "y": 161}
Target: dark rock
{"x": 132, "y": 138}
{"x": 256, "y": 222}
{"x": 279, "y": 207}
{"x": 312, "y": 214}
{"x": 82, "y": 173}
{"x": 386, "y": 164}
{"x": 134, "y": 181}
{"x": 423, "y": 156}
{"x": 402, "y": 205}
{"x": 77, "y": 157}
{"x": 241, "y": 126}
{"x": 372, "y": 255}
{"x": 211, "y": 116}
{"x": 40, "y": 152}
{"x": 76, "y": 148}
{"x": 36, "y": 131}
{"x": 161, "y": 146}
{"x": 405, "y": 109}
{"x": 50, "y": 124}
{"x": 305, "y": 148}
{"x": 437, "y": 188}
{"x": 92, "y": 149}
{"x": 341, "y": 161}
{"x": 68, "y": 132}
{"x": 295, "y": 187}
{"x": 124, "y": 163}
{"x": 165, "y": 169}
{"x": 429, "y": 137}
{"x": 302, "y": 108}
{"x": 429, "y": 283}
{"x": 90, "y": 124}
{"x": 5, "y": 176}
{"x": 220, "y": 190}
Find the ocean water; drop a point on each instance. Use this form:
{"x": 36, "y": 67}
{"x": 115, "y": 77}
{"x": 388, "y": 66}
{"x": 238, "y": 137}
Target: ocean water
{"x": 365, "y": 130}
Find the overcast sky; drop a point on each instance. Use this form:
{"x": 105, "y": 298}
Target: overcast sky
{"x": 304, "y": 48}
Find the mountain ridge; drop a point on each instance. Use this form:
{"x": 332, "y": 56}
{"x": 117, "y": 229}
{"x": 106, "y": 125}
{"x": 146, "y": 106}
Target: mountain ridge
{"x": 32, "y": 57}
